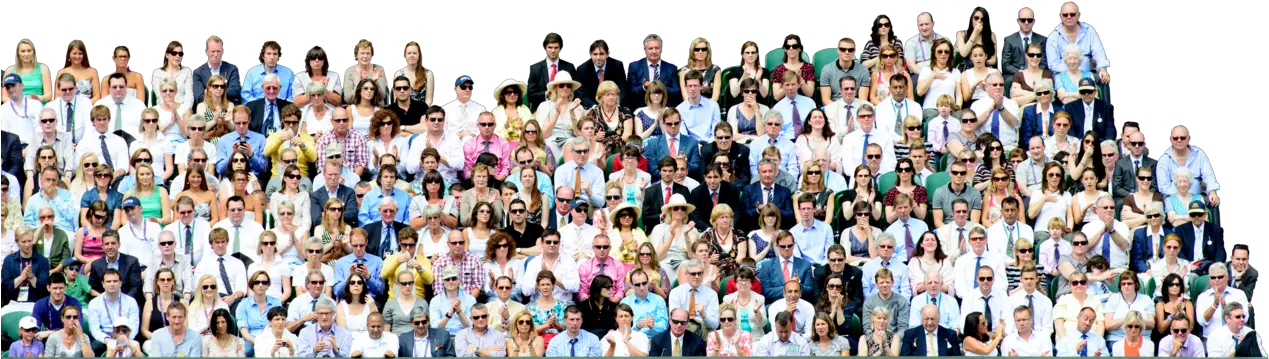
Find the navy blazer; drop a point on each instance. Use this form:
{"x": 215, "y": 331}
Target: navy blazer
{"x": 738, "y": 154}
{"x": 442, "y": 343}
{"x": 638, "y": 72}
{"x": 258, "y": 115}
{"x": 202, "y": 74}
{"x": 129, "y": 273}
{"x": 12, "y": 268}
{"x": 781, "y": 197}
{"x": 771, "y": 274}
{"x": 1213, "y": 243}
{"x": 1031, "y": 125}
{"x": 653, "y": 199}
{"x": 662, "y": 346}
{"x": 11, "y": 145}
{"x": 1103, "y": 120}
{"x": 587, "y": 74}
{"x": 344, "y": 194}
{"x": 658, "y": 147}
{"x": 727, "y": 194}
{"x": 374, "y": 235}
{"x": 540, "y": 75}
{"x": 1142, "y": 248}
{"x": 913, "y": 342}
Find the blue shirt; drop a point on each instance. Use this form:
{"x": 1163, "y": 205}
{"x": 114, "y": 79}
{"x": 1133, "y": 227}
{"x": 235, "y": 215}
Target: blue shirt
{"x": 544, "y": 185}
{"x": 897, "y": 270}
{"x": 343, "y": 267}
{"x": 653, "y": 306}
{"x": 250, "y": 316}
{"x": 1090, "y": 49}
{"x": 67, "y": 215}
{"x": 113, "y": 200}
{"x": 788, "y": 154}
{"x": 1066, "y": 346}
{"x": 785, "y": 107}
{"x": 252, "y": 80}
{"x": 949, "y": 311}
{"x": 915, "y": 227}
{"x": 591, "y": 174}
{"x": 439, "y": 307}
{"x": 587, "y": 345}
{"x": 680, "y": 297}
{"x": 813, "y": 242}
{"x": 311, "y": 334}
{"x": 191, "y": 345}
{"x": 699, "y": 120}
{"x": 1200, "y": 169}
{"x": 103, "y": 315}
{"x": 225, "y": 148}
{"x": 369, "y": 211}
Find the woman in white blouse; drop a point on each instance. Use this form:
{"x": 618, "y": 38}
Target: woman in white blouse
{"x": 929, "y": 256}
{"x": 816, "y": 136}
{"x": 625, "y": 342}
{"x": 317, "y": 114}
{"x": 172, "y": 70}
{"x": 316, "y": 70}
{"x": 939, "y": 78}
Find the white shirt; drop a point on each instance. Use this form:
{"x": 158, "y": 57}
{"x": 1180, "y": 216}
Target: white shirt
{"x": 91, "y": 143}
{"x": 248, "y": 236}
{"x": 853, "y": 149}
{"x": 938, "y": 87}
{"x": 454, "y": 118}
{"x": 803, "y": 314}
{"x": 575, "y": 238}
{"x": 999, "y": 233}
{"x": 1119, "y": 308}
{"x": 140, "y": 241}
{"x": 182, "y": 150}
{"x": 1089, "y": 115}
{"x": 237, "y": 273}
{"x": 1118, "y": 256}
{"x": 1205, "y": 301}
{"x": 374, "y": 348}
{"x": 887, "y": 109}
{"x": 770, "y": 345}
{"x": 22, "y": 118}
{"x": 1041, "y": 314}
{"x": 1008, "y": 133}
{"x": 835, "y": 113}
{"x": 451, "y": 150}
{"x": 950, "y": 237}
{"x": 159, "y": 149}
{"x": 131, "y": 106}
{"x": 565, "y": 270}
{"x": 201, "y": 229}
{"x": 1033, "y": 346}
{"x": 637, "y": 338}
{"x": 277, "y": 270}
{"x": 82, "y": 106}
{"x": 966, "y": 277}
{"x": 1221, "y": 343}
{"x": 973, "y": 302}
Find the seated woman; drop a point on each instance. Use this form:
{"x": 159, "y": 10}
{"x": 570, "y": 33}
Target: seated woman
{"x": 879, "y": 342}
{"x": 1173, "y": 301}
{"x": 254, "y": 201}
{"x": 364, "y": 69}
{"x": 648, "y": 262}
{"x": 315, "y": 117}
{"x": 612, "y": 122}
{"x": 1067, "y": 82}
{"x": 522, "y": 339}
{"x": 973, "y": 76}
{"x": 745, "y": 116}
{"x": 1026, "y": 82}
{"x": 793, "y": 52}
{"x": 222, "y": 340}
{"x": 86, "y": 82}
{"x": 1066, "y": 310}
{"x": 599, "y": 307}
{"x": 386, "y": 138}
{"x": 978, "y": 340}
{"x": 136, "y": 84}
{"x": 1133, "y": 343}
{"x": 906, "y": 183}
{"x": 37, "y": 82}
{"x": 1178, "y": 204}
{"x": 978, "y": 33}
{"x": 1171, "y": 264}
{"x": 316, "y": 70}
{"x": 940, "y": 78}
{"x": 655, "y": 98}
{"x": 1137, "y": 203}
{"x": 890, "y": 64}
{"x": 912, "y": 138}
{"x": 814, "y": 185}
{"x": 560, "y": 111}
{"x": 180, "y": 76}
{"x": 816, "y": 136}
{"x": 511, "y": 113}
{"x": 999, "y": 188}
{"x": 825, "y": 340}
{"x": 421, "y": 79}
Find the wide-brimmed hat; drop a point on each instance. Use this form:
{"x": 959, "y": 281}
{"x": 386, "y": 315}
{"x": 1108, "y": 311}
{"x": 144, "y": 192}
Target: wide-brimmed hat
{"x": 612, "y": 215}
{"x": 507, "y": 83}
{"x": 561, "y": 77}
{"x": 677, "y": 200}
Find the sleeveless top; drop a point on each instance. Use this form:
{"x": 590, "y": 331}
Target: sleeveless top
{"x": 648, "y": 121}
{"x": 707, "y": 86}
{"x": 746, "y": 126}
{"x": 150, "y": 205}
{"x": 92, "y": 246}
{"x": 203, "y": 210}
{"x": 760, "y": 243}
{"x": 84, "y": 88}
{"x": 158, "y": 317}
{"x": 858, "y": 248}
{"x": 33, "y": 82}
{"x": 356, "y": 322}
{"x": 477, "y": 245}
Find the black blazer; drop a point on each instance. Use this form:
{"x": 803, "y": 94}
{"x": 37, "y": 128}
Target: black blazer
{"x": 11, "y": 145}
{"x": 913, "y": 342}
{"x": 374, "y": 236}
{"x": 587, "y": 74}
{"x": 540, "y": 75}
{"x": 1248, "y": 282}
{"x": 1213, "y": 243}
{"x": 258, "y": 115}
{"x": 854, "y": 280}
{"x": 739, "y": 156}
{"x": 129, "y": 273}
{"x": 727, "y": 194}
{"x": 344, "y": 193}
{"x": 1125, "y": 178}
{"x": 1103, "y": 120}
{"x": 203, "y": 74}
{"x": 653, "y": 199}
{"x": 662, "y": 346}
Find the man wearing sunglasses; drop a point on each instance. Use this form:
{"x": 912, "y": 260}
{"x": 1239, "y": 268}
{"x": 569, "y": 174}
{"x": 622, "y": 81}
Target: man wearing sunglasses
{"x": 568, "y": 280}
{"x": 831, "y": 84}
{"x": 1232, "y": 339}
{"x": 967, "y": 265}
{"x": 1091, "y": 113}
{"x": 650, "y": 311}
{"x": 998, "y": 114}
{"x": 1216, "y": 298}
{"x": 1181, "y": 342}
{"x": 189, "y": 230}
{"x": 486, "y": 141}
{"x": 1085, "y": 37}
{"x": 461, "y": 114}
{"x": 70, "y": 108}
{"x": 1125, "y": 177}
{"x": 138, "y": 237}
{"x": 1182, "y": 154}
{"x": 302, "y": 310}
{"x": 355, "y": 154}
{"x": 673, "y": 142}
{"x": 181, "y": 267}
{"x": 49, "y": 135}
{"x": 424, "y": 341}
{"x": 584, "y": 177}
{"x": 1014, "y": 51}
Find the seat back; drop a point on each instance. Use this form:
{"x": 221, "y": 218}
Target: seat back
{"x": 934, "y": 181}
{"x": 887, "y": 181}
{"x": 725, "y": 100}
{"x": 775, "y": 57}
{"x": 1198, "y": 285}
{"x": 9, "y": 324}
{"x": 823, "y": 58}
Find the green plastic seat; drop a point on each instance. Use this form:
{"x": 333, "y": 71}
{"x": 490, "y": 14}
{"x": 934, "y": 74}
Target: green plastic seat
{"x": 608, "y": 164}
{"x": 934, "y": 181}
{"x": 1199, "y": 285}
{"x": 9, "y": 324}
{"x": 823, "y": 58}
{"x": 775, "y": 57}
{"x": 856, "y": 328}
{"x": 887, "y": 181}
{"x": 1053, "y": 289}
{"x": 1149, "y": 288}
{"x": 725, "y": 101}
{"x": 1114, "y": 288}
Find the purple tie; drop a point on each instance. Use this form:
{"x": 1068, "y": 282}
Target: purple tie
{"x": 907, "y": 239}
{"x": 797, "y": 118}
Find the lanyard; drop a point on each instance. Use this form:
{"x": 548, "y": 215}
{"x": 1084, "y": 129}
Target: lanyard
{"x": 133, "y": 228}
{"x": 24, "y": 108}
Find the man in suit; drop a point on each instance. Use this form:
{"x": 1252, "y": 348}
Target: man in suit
{"x": 766, "y": 191}
{"x": 677, "y": 342}
{"x": 128, "y": 267}
{"x": 851, "y": 276}
{"x": 13, "y": 161}
{"x": 215, "y": 49}
{"x": 598, "y": 69}
{"x": 1014, "y": 52}
{"x": 650, "y": 68}
{"x": 266, "y": 112}
{"x": 544, "y": 71}
{"x": 383, "y": 243}
{"x": 1243, "y": 276}
{"x": 785, "y": 266}
{"x": 1091, "y": 113}
{"x": 439, "y": 342}
{"x": 737, "y": 154}
{"x": 1125, "y": 175}
{"x": 658, "y": 195}
{"x": 713, "y": 193}
{"x": 1147, "y": 241}
{"x": 673, "y": 143}
{"x": 334, "y": 188}
{"x": 917, "y": 341}
{"x": 1202, "y": 242}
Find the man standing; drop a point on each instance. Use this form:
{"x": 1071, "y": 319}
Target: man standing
{"x": 487, "y": 142}
{"x": 324, "y": 339}
{"x": 202, "y": 75}
{"x": 479, "y": 340}
{"x": 129, "y": 272}
{"x": 922, "y": 341}
{"x": 544, "y": 71}
{"x": 812, "y": 235}
{"x": 699, "y": 114}
{"x": 257, "y": 77}
{"x": 138, "y": 237}
{"x": 1014, "y": 52}
{"x": 125, "y": 111}
{"x": 574, "y": 342}
{"x": 998, "y": 114}
{"x": 266, "y": 108}
{"x": 462, "y": 112}
{"x": 595, "y": 71}
{"x": 916, "y": 51}
{"x": 678, "y": 341}
{"x": 243, "y": 234}
{"x": 648, "y": 69}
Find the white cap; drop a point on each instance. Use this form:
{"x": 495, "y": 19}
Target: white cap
{"x": 121, "y": 322}
{"x": 28, "y": 323}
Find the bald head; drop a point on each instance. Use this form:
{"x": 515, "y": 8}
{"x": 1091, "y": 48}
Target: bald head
{"x": 930, "y": 317}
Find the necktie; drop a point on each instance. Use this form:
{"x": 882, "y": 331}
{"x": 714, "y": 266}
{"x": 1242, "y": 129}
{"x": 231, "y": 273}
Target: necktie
{"x": 600, "y": 74}
{"x": 907, "y": 239}
{"x": 105, "y": 152}
{"x": 577, "y": 180}
{"x": 486, "y": 143}
{"x": 977, "y": 264}
{"x": 1135, "y": 164}
{"x": 797, "y": 118}
{"x": 572, "y": 343}
{"x": 931, "y": 348}
{"x": 767, "y": 191}
{"x": 1235, "y": 340}
{"x": 945, "y": 131}
{"x": 189, "y": 239}
{"x": 118, "y": 116}
{"x": 268, "y": 119}
{"x": 602, "y": 266}
{"x": 987, "y": 311}
{"x": 668, "y": 192}
{"x": 714, "y": 196}
{"x": 962, "y": 240}
{"x": 995, "y": 123}
{"x": 863, "y": 151}
{"x": 1047, "y": 126}
{"x": 1106, "y": 244}
{"x": 849, "y": 115}
{"x": 898, "y": 118}
{"x": 1009, "y": 231}
{"x": 554, "y": 69}
{"x": 237, "y": 239}
{"x": 793, "y": 318}
{"x": 386, "y": 246}
{"x": 1057, "y": 253}
{"x": 771, "y": 141}
{"x": 691, "y": 302}
{"x": 656, "y": 72}
{"x": 931, "y": 299}
{"x": 1158, "y": 248}
{"x": 70, "y": 118}
{"x": 224, "y": 276}
{"x": 314, "y": 305}
{"x": 1026, "y": 41}
{"x": 1084, "y": 351}
{"x": 674, "y": 150}
{"x": 1031, "y": 302}
{"x": 462, "y": 114}
{"x": 786, "y": 271}
{"x": 678, "y": 347}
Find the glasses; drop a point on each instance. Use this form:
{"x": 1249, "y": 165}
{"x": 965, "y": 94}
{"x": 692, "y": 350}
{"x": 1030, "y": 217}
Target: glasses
{"x": 1070, "y": 14}
{"x": 1087, "y": 92}
{"x": 883, "y": 24}
{"x": 506, "y": 245}
{"x": 1043, "y": 93}
{"x": 451, "y": 279}
{"x": 814, "y": 173}
{"x": 1026, "y": 20}
{"x": 70, "y": 317}
{"x": 420, "y": 323}
{"x": 1180, "y": 330}
{"x": 1144, "y": 178}
{"x": 1153, "y": 216}
{"x": 401, "y": 88}
{"x": 904, "y": 169}
{"x": 846, "y": 49}
{"x": 874, "y": 157}
{"x": 1079, "y": 243}
{"x": 643, "y": 254}
{"x": 1197, "y": 215}
{"x": 218, "y": 86}
{"x": 943, "y": 52}
{"x": 1217, "y": 277}
{"x": 436, "y": 119}
{"x": 90, "y": 164}
{"x": 640, "y": 284}
{"x": 969, "y": 120}
{"x": 504, "y": 287}
{"x": 485, "y": 124}
{"x": 479, "y": 317}
{"x": 977, "y": 239}
{"x": 465, "y": 87}
{"x": 209, "y": 287}
{"x": 889, "y": 55}
{"x": 356, "y": 282}
{"x": 406, "y": 284}
{"x": 317, "y": 282}
{"x": 340, "y": 120}
{"x": 985, "y": 279}
{"x": 749, "y": 91}
{"x": 702, "y": 49}
{"x": 265, "y": 282}
{"x": 564, "y": 86}
{"x": 1132, "y": 326}
{"x": 1079, "y": 283}
{"x": 884, "y": 246}
{"x": 161, "y": 244}
{"x": 678, "y": 322}
{"x": 268, "y": 243}
{"x": 1180, "y": 138}
{"x": 792, "y": 46}
{"x": 603, "y": 247}
{"x": 335, "y": 209}
{"x": 786, "y": 246}
{"x": 176, "y": 53}
{"x": 51, "y": 120}
{"x": 696, "y": 273}
{"x": 314, "y": 251}
{"x": 1000, "y": 179}
{"x": 551, "y": 243}
{"x": 672, "y": 124}
{"x": 1034, "y": 55}
{"x": 1026, "y": 250}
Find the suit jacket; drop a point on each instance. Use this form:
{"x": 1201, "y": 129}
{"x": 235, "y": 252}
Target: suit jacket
{"x": 540, "y": 75}
{"x": 12, "y": 268}
{"x": 739, "y": 156}
{"x": 913, "y": 342}
{"x": 344, "y": 194}
{"x": 258, "y": 115}
{"x": 129, "y": 273}
{"x": 658, "y": 147}
{"x": 727, "y": 194}
{"x": 1125, "y": 177}
{"x": 781, "y": 197}
{"x": 662, "y": 346}
{"x": 1213, "y": 243}
{"x": 1248, "y": 282}
{"x": 11, "y": 145}
{"x": 203, "y": 73}
{"x": 614, "y": 70}
{"x": 1014, "y": 53}
{"x": 771, "y": 274}
{"x": 1032, "y": 124}
{"x": 854, "y": 280}
{"x": 638, "y": 72}
{"x": 653, "y": 199}
{"x": 374, "y": 233}
{"x": 442, "y": 343}
{"x": 1103, "y": 119}
{"x": 1142, "y": 248}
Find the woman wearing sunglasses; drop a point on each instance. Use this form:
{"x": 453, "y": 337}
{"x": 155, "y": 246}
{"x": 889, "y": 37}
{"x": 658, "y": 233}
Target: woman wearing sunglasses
{"x": 522, "y": 339}
{"x": 1136, "y": 204}
{"x": 1026, "y": 82}
{"x": 71, "y": 341}
{"x": 1171, "y": 264}
{"x": 1172, "y": 302}
{"x": 1133, "y": 344}
{"x": 277, "y": 271}
{"x": 206, "y": 301}
{"x": 88, "y": 240}
{"x": 1066, "y": 310}
{"x": 157, "y": 143}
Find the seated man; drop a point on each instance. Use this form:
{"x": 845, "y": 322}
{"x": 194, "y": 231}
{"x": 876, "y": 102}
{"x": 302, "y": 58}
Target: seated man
{"x": 25, "y": 273}
{"x": 772, "y": 137}
{"x": 290, "y": 137}
{"x": 360, "y": 262}
{"x": 463, "y": 262}
{"x": 1244, "y": 276}
{"x": 954, "y": 236}
{"x": 451, "y": 306}
{"x": 649, "y": 310}
{"x": 602, "y": 263}
{"x": 658, "y": 194}
{"x": 1209, "y": 304}
{"x": 855, "y": 145}
{"x": 241, "y": 140}
{"x": 47, "y": 310}
{"x": 737, "y": 154}
{"x": 202, "y": 75}
{"x": 486, "y": 141}
{"x": 374, "y": 343}
{"x": 1091, "y": 113}
{"x": 1202, "y": 242}
{"x": 701, "y": 303}
{"x": 356, "y": 153}
{"x": 773, "y": 272}
{"x": 480, "y": 340}
{"x": 906, "y": 227}
{"x": 127, "y": 267}
{"x": 1002, "y": 235}
{"x": 573, "y": 339}
{"x": 1194, "y": 159}
{"x": 255, "y": 83}
{"x": 244, "y": 235}
{"x": 577, "y": 237}
{"x": 793, "y": 107}
{"x": 781, "y": 341}
{"x": 917, "y": 341}
{"x": 125, "y": 111}
{"x": 265, "y": 109}
{"x": 1085, "y": 343}
{"x": 852, "y": 277}
{"x": 967, "y": 266}
{"x": 671, "y": 143}
{"x": 1232, "y": 338}
{"x": 112, "y": 302}
{"x": 176, "y": 340}
{"x": 1026, "y": 340}
{"x": 688, "y": 343}
{"x": 222, "y": 266}
{"x": 324, "y": 339}
{"x": 1182, "y": 343}
{"x": 997, "y": 114}
{"x": 766, "y": 192}
{"x": 784, "y": 177}
{"x": 803, "y": 312}
{"x": 699, "y": 114}
{"x": 949, "y": 313}
{"x": 136, "y": 238}
{"x": 448, "y": 146}
{"x": 841, "y": 112}
{"x": 580, "y": 174}
{"x": 111, "y": 150}
{"x": 892, "y": 110}
{"x": 1109, "y": 237}
{"x": 886, "y": 259}
{"x": 439, "y": 343}
{"x": 301, "y": 310}
{"x": 957, "y": 188}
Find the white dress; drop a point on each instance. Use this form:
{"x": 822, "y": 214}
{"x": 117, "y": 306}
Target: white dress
{"x": 159, "y": 148}
{"x": 359, "y": 123}
{"x": 279, "y": 269}
{"x": 165, "y": 118}
{"x": 356, "y": 322}
{"x": 315, "y": 125}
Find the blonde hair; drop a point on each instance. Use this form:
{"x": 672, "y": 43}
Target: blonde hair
{"x": 691, "y": 53}
{"x": 365, "y": 44}
{"x": 722, "y": 209}
{"x": 605, "y": 88}
{"x": 911, "y": 121}
{"x": 17, "y": 59}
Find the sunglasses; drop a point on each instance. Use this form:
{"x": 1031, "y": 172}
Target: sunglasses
{"x": 406, "y": 284}
{"x": 551, "y": 243}
{"x": 265, "y": 282}
{"x": 1079, "y": 283}
{"x": 672, "y": 124}
{"x": 874, "y": 157}
{"x": 420, "y": 323}
{"x": 679, "y": 322}
{"x": 640, "y": 284}
{"x": 1026, "y": 20}
{"x": 485, "y": 124}
{"x": 786, "y": 246}
{"x": 209, "y": 287}
{"x": 401, "y": 88}
{"x": 814, "y": 173}
{"x": 969, "y": 120}
{"x": 317, "y": 282}
{"x": 1043, "y": 93}
{"x": 649, "y": 254}
{"x": 985, "y": 279}
{"x": 702, "y": 49}
{"x": 749, "y": 92}
{"x": 51, "y": 120}
{"x": 1087, "y": 92}
{"x": 1079, "y": 243}
{"x": 176, "y": 53}
{"x": 1153, "y": 216}
{"x": 793, "y": 46}
{"x": 479, "y": 317}
{"x": 356, "y": 282}
{"x": 1034, "y": 55}
{"x": 1180, "y": 330}
{"x": 846, "y": 49}
{"x": 161, "y": 244}
{"x": 904, "y": 169}
{"x": 436, "y": 119}
{"x": 1180, "y": 138}
{"x": 889, "y": 55}
{"x": 218, "y": 86}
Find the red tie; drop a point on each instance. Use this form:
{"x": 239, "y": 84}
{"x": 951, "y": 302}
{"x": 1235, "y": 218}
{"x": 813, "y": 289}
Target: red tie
{"x": 714, "y": 196}
{"x": 601, "y": 75}
{"x": 673, "y": 149}
{"x": 786, "y": 271}
{"x": 553, "y": 71}
{"x": 667, "y": 191}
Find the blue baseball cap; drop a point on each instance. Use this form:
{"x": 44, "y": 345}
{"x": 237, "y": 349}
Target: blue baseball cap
{"x": 1198, "y": 207}
{"x": 1087, "y": 84}
{"x": 462, "y": 79}
{"x": 12, "y": 79}
{"x": 131, "y": 202}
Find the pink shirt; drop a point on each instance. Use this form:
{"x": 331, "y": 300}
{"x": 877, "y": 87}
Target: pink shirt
{"x": 590, "y": 268}
{"x": 498, "y": 146}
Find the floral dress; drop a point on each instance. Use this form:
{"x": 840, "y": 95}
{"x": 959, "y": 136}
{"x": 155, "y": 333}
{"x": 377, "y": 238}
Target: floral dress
{"x": 540, "y": 316}
{"x": 726, "y": 258}
{"x": 613, "y": 139}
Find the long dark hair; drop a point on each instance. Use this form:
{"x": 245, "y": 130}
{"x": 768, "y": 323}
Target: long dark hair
{"x": 988, "y": 45}
{"x": 971, "y": 327}
{"x": 826, "y": 131}
{"x": 876, "y": 25}
{"x": 938, "y": 248}
{"x": 597, "y": 288}
{"x": 231, "y": 327}
{"x": 1175, "y": 280}
{"x": 824, "y": 306}
{"x": 347, "y": 296}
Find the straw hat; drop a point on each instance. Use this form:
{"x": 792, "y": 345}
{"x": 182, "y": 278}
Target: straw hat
{"x": 677, "y": 200}
{"x": 612, "y": 215}
{"x": 510, "y": 82}
{"x": 561, "y": 77}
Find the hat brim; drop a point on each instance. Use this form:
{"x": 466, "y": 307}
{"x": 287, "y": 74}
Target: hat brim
{"x": 1082, "y": 88}
{"x": 498, "y": 91}
{"x": 612, "y": 216}
{"x": 1199, "y": 211}
{"x": 668, "y": 207}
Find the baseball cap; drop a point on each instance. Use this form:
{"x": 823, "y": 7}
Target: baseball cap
{"x": 28, "y": 323}
{"x": 462, "y": 79}
{"x": 131, "y": 201}
{"x": 11, "y": 79}
{"x": 1087, "y": 84}
{"x": 1198, "y": 207}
